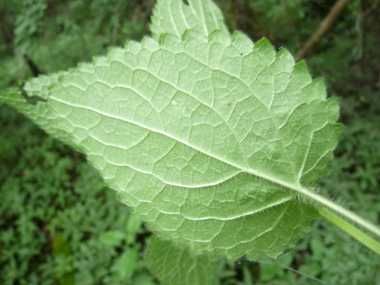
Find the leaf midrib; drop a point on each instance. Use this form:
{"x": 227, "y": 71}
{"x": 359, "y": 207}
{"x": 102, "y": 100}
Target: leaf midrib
{"x": 238, "y": 167}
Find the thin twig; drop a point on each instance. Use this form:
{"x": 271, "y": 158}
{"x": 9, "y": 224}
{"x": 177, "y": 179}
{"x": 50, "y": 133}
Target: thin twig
{"x": 359, "y": 28}
{"x": 370, "y": 9}
{"x": 323, "y": 28}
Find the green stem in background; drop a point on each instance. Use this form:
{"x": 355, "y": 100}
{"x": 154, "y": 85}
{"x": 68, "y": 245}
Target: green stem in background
{"x": 351, "y": 230}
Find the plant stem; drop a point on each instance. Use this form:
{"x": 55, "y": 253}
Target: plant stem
{"x": 339, "y": 209}
{"x": 325, "y": 202}
{"x": 351, "y": 230}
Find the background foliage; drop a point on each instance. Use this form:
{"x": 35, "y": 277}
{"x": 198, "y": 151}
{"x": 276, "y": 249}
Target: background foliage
{"x": 58, "y": 222}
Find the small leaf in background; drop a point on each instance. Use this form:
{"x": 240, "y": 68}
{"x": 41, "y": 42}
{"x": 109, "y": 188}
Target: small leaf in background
{"x": 112, "y": 238}
{"x": 126, "y": 264}
{"x": 311, "y": 269}
{"x": 60, "y": 245}
{"x": 143, "y": 279}
{"x": 175, "y": 17}
{"x": 270, "y": 269}
{"x": 318, "y": 248}
{"x": 132, "y": 228}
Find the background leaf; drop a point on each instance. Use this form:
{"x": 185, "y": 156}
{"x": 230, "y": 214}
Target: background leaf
{"x": 175, "y": 17}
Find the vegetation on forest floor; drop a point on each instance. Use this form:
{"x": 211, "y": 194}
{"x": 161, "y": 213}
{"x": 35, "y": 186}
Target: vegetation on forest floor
{"x": 77, "y": 235}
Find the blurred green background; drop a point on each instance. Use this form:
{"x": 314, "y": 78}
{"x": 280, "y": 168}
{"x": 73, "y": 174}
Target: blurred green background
{"x": 59, "y": 224}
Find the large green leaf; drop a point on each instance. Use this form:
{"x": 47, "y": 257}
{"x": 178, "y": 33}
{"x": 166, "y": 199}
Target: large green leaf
{"x": 204, "y": 137}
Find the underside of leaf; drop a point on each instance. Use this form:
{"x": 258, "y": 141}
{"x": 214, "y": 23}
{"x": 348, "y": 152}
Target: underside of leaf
{"x": 204, "y": 137}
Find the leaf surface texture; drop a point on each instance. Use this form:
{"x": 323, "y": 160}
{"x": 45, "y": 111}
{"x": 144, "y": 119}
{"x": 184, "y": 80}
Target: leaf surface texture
{"x": 204, "y": 137}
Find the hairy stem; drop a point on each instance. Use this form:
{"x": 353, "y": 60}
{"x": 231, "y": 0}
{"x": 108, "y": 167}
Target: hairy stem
{"x": 351, "y": 230}
{"x": 339, "y": 209}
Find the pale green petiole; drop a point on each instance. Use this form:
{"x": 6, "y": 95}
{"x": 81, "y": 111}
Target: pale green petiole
{"x": 351, "y": 230}
{"x": 339, "y": 209}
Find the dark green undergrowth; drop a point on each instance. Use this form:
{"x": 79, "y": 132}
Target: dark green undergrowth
{"x": 59, "y": 223}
